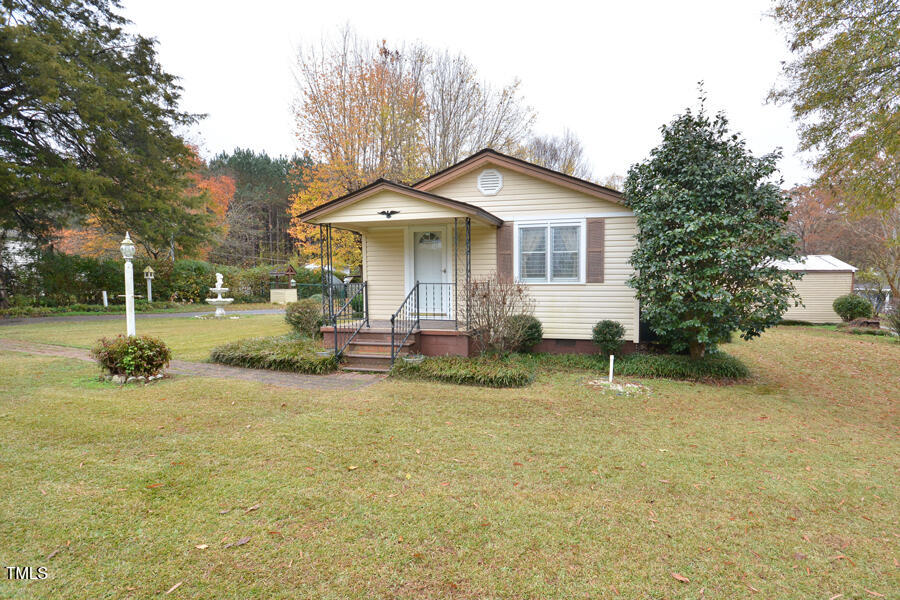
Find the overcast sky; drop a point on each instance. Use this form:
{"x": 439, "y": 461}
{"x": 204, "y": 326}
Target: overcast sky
{"x": 613, "y": 72}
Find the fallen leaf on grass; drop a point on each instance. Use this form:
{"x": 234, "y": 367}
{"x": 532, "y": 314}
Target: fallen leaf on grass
{"x": 836, "y": 596}
{"x": 201, "y": 546}
{"x": 752, "y": 589}
{"x": 352, "y": 468}
{"x": 252, "y": 508}
{"x": 54, "y": 553}
{"x": 518, "y": 464}
{"x": 174, "y": 587}
{"x": 155, "y": 485}
{"x": 680, "y": 577}
{"x": 876, "y": 594}
{"x": 224, "y": 511}
{"x": 240, "y": 542}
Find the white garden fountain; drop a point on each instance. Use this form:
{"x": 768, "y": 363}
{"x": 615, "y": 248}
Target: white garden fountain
{"x": 219, "y": 302}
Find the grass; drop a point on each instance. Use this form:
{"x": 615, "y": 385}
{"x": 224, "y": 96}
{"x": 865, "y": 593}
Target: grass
{"x": 188, "y": 338}
{"x": 279, "y": 353}
{"x": 785, "y": 484}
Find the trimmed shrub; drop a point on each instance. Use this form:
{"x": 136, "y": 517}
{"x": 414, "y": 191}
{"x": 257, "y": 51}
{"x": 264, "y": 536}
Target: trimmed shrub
{"x": 280, "y": 353}
{"x": 527, "y": 330}
{"x": 133, "y": 356}
{"x": 486, "y": 371}
{"x": 608, "y": 336}
{"x": 304, "y": 317}
{"x": 851, "y": 307}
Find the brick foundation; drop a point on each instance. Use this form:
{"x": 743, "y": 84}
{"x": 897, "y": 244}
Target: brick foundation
{"x": 444, "y": 343}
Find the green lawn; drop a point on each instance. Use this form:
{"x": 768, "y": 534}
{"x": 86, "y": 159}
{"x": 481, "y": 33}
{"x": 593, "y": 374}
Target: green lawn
{"x": 781, "y": 488}
{"x": 189, "y": 338}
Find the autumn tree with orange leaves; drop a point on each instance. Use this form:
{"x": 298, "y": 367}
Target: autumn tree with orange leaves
{"x": 367, "y": 111}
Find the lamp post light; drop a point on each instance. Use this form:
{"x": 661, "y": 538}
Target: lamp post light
{"x": 148, "y": 275}
{"x": 127, "y": 248}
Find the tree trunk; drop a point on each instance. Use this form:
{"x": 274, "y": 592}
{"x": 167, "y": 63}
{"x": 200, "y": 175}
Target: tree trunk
{"x": 4, "y": 279}
{"x": 697, "y": 349}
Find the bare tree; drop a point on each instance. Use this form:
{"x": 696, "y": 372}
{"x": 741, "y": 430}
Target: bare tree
{"x": 465, "y": 115}
{"x": 564, "y": 154}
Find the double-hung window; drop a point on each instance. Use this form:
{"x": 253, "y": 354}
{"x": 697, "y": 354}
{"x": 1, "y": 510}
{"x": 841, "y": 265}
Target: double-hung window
{"x": 550, "y": 252}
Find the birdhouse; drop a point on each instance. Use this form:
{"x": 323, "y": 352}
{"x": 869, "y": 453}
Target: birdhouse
{"x": 148, "y": 272}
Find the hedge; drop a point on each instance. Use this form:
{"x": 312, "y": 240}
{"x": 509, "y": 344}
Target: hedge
{"x": 279, "y": 353}
{"x": 49, "y": 311}
{"x": 55, "y": 279}
{"x": 482, "y": 371}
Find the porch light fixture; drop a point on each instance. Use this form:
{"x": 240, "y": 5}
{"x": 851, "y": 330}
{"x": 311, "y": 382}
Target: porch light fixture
{"x": 388, "y": 213}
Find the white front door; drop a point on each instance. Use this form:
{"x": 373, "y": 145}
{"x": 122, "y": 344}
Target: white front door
{"x": 430, "y": 270}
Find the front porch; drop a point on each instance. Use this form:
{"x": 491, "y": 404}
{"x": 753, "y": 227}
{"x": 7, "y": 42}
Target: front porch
{"x": 416, "y": 267}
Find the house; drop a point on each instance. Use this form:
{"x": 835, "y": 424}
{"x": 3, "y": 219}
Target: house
{"x": 824, "y": 279}
{"x": 568, "y": 240}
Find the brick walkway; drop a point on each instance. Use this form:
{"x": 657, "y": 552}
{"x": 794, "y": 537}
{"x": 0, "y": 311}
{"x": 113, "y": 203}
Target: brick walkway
{"x": 336, "y": 381}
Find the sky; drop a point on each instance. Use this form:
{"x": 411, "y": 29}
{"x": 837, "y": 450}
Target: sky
{"x": 612, "y": 72}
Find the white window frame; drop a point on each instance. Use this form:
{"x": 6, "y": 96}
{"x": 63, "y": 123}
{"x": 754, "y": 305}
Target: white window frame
{"x": 548, "y": 223}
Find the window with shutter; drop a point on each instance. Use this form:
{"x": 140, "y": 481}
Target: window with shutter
{"x": 595, "y": 251}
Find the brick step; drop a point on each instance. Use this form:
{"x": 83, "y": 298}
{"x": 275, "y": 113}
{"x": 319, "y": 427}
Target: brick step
{"x": 356, "y": 369}
{"x": 354, "y": 360}
{"x": 381, "y": 348}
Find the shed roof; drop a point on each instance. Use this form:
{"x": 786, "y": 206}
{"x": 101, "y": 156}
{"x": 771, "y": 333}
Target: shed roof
{"x": 816, "y": 262}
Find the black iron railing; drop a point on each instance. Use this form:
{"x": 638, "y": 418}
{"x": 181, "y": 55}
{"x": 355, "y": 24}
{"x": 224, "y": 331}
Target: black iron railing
{"x": 350, "y": 317}
{"x": 404, "y": 322}
{"x": 436, "y": 301}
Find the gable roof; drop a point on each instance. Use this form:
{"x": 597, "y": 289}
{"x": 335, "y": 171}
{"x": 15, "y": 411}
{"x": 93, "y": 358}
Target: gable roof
{"x": 490, "y": 156}
{"x": 380, "y": 185}
{"x": 815, "y": 262}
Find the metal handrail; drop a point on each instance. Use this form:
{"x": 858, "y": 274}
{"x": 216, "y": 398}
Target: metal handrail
{"x": 339, "y": 316}
{"x": 413, "y": 322}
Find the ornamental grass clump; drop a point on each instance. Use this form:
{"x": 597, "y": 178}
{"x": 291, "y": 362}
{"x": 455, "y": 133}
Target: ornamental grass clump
{"x": 279, "y": 353}
{"x": 486, "y": 371}
{"x": 132, "y": 356}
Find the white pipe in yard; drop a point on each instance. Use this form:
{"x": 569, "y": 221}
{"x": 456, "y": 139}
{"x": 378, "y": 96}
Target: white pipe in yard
{"x": 612, "y": 361}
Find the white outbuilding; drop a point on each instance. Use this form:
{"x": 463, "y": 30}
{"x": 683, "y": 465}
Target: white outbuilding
{"x": 824, "y": 279}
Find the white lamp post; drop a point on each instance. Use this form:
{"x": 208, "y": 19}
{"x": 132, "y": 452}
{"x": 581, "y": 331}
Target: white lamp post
{"x": 127, "y": 248}
{"x": 148, "y": 275}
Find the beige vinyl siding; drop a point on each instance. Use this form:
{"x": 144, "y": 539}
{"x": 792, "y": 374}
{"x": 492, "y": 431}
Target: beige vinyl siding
{"x": 523, "y": 195}
{"x": 383, "y": 268}
{"x": 567, "y": 311}
{"x": 484, "y": 250}
{"x": 818, "y": 291}
{"x": 366, "y": 210}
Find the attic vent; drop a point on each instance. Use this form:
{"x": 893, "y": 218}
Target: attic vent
{"x": 490, "y": 181}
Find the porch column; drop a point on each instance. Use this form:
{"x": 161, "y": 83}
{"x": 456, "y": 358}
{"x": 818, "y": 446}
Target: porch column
{"x": 468, "y": 267}
{"x": 455, "y": 273}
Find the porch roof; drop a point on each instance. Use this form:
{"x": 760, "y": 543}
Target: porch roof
{"x": 331, "y": 212}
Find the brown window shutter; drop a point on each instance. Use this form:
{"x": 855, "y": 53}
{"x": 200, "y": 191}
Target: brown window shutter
{"x": 505, "y": 252}
{"x": 595, "y": 253}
